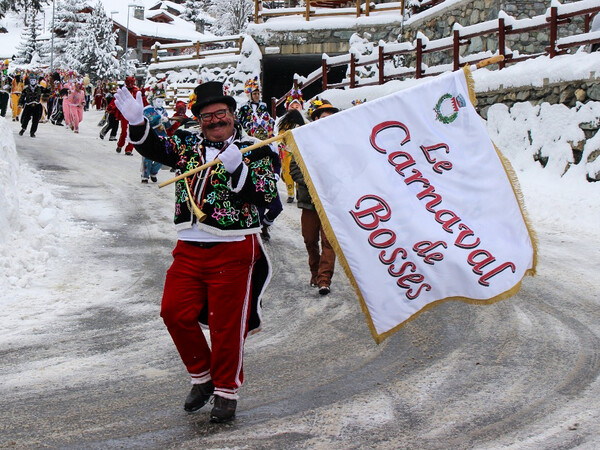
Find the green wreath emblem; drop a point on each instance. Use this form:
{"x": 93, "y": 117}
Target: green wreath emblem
{"x": 438, "y": 111}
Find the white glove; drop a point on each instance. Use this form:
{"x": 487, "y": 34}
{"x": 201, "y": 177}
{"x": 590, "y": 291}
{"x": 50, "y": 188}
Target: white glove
{"x": 231, "y": 158}
{"x": 131, "y": 108}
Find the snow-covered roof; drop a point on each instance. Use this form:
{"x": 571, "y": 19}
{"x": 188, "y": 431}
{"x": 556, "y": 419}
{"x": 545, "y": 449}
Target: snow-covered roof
{"x": 168, "y": 6}
{"x": 177, "y": 29}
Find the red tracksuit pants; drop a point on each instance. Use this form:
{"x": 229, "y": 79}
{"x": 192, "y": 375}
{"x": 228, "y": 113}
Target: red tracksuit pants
{"x": 123, "y": 136}
{"x": 219, "y": 277}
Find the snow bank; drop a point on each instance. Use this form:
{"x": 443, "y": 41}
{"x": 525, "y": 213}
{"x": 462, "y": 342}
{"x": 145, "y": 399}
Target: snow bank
{"x": 32, "y": 220}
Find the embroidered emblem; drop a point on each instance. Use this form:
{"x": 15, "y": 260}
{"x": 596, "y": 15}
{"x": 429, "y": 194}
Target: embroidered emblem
{"x": 447, "y": 108}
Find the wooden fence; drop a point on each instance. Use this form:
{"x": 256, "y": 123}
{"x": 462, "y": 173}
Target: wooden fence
{"x": 321, "y": 8}
{"x": 186, "y": 51}
{"x": 502, "y": 27}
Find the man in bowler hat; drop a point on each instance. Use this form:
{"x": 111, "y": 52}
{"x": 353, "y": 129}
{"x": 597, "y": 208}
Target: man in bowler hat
{"x": 219, "y": 268}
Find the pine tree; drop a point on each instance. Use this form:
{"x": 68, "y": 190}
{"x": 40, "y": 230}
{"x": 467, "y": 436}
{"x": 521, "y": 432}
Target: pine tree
{"x": 30, "y": 48}
{"x": 93, "y": 49}
{"x": 67, "y": 21}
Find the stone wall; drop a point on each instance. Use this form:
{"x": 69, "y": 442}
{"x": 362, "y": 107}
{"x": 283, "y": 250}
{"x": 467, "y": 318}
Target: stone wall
{"x": 567, "y": 93}
{"x": 470, "y": 12}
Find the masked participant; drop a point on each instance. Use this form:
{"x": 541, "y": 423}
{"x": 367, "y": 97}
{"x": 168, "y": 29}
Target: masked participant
{"x": 31, "y": 101}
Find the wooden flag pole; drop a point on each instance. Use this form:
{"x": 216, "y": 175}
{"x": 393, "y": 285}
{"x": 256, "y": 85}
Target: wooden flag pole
{"x": 215, "y": 161}
{"x": 487, "y": 62}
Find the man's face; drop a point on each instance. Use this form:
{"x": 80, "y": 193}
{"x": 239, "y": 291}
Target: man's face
{"x": 324, "y": 114}
{"x": 33, "y": 82}
{"x": 217, "y": 128}
{"x": 255, "y": 96}
{"x": 159, "y": 102}
{"x": 295, "y": 105}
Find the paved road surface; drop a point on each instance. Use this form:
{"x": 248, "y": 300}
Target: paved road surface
{"x": 518, "y": 374}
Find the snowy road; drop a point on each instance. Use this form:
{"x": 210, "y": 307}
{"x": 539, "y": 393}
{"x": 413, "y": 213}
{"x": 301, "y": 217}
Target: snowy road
{"x": 87, "y": 362}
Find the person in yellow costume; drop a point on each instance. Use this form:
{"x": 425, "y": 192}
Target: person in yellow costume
{"x": 15, "y": 95}
{"x": 293, "y": 102}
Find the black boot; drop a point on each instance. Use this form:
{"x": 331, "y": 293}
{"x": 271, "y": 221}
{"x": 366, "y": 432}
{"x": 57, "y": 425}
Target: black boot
{"x": 198, "y": 396}
{"x": 265, "y": 233}
{"x": 223, "y": 411}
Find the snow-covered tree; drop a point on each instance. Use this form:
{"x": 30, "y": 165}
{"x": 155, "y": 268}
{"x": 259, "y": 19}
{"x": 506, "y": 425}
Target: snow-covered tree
{"x": 67, "y": 21}
{"x": 20, "y": 5}
{"x": 192, "y": 10}
{"x": 29, "y": 47}
{"x": 231, "y": 15}
{"x": 93, "y": 49}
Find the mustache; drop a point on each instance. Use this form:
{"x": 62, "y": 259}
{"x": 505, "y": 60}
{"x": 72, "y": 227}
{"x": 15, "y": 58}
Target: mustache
{"x": 220, "y": 123}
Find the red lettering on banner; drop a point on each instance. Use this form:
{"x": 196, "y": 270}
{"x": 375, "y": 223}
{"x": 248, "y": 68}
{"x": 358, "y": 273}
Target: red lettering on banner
{"x": 438, "y": 166}
{"x": 399, "y": 167}
{"x": 406, "y": 265}
{"x": 463, "y": 234}
{"x": 415, "y": 278}
{"x": 492, "y": 273}
{"x": 478, "y": 265}
{"x": 372, "y": 211}
{"x": 392, "y": 258}
{"x": 442, "y": 165}
{"x": 385, "y": 244}
{"x": 370, "y": 218}
{"x": 412, "y": 295}
{"x": 446, "y": 224}
{"x": 431, "y": 148}
{"x": 488, "y": 259}
{"x": 429, "y": 191}
{"x": 417, "y": 176}
{"x": 424, "y": 247}
{"x": 384, "y": 126}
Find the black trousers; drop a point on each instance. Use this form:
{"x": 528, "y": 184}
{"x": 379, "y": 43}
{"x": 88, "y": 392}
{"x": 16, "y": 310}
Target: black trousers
{"x": 113, "y": 125}
{"x": 32, "y": 111}
{"x": 4, "y": 96}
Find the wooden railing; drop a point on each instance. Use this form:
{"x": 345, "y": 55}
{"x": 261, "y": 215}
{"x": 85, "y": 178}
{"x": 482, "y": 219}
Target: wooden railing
{"x": 320, "y": 8}
{"x": 179, "y": 91}
{"x": 502, "y": 27}
{"x": 224, "y": 45}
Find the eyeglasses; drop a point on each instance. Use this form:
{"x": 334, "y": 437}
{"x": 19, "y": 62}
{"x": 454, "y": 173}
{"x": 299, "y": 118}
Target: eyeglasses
{"x": 207, "y": 117}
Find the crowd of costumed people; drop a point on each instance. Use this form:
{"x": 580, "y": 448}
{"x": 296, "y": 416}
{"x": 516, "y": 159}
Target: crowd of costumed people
{"x": 61, "y": 97}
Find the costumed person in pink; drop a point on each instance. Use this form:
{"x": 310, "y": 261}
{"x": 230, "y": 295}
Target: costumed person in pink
{"x": 66, "y": 104}
{"x": 76, "y": 100}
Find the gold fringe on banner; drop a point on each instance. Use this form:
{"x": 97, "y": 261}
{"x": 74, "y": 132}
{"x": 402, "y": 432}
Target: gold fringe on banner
{"x": 291, "y": 143}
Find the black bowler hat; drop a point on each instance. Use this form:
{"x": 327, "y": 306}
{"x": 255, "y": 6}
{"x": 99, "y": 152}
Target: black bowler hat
{"x": 209, "y": 93}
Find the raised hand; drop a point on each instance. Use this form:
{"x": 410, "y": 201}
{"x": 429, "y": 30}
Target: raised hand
{"x": 131, "y": 108}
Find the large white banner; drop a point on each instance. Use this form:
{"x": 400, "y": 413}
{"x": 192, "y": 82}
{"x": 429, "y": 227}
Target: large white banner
{"x": 416, "y": 201}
